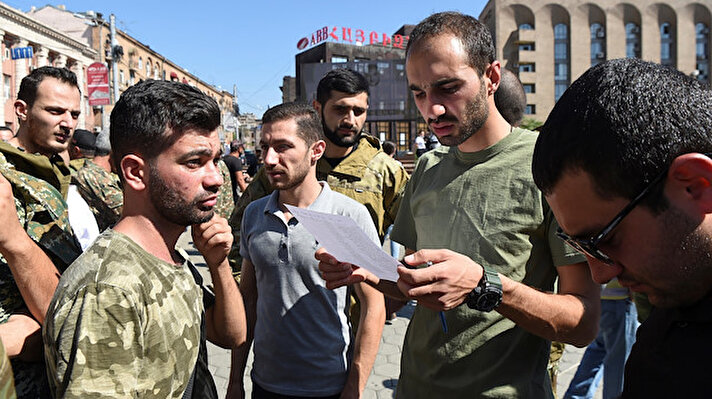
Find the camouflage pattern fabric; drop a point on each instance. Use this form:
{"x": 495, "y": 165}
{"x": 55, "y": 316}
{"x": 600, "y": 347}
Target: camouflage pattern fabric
{"x": 371, "y": 177}
{"x": 226, "y": 203}
{"x": 43, "y": 213}
{"x": 102, "y": 192}
{"x": 7, "y": 387}
{"x": 123, "y": 323}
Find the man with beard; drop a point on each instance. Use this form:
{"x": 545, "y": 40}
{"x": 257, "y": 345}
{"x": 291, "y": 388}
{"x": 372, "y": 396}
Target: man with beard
{"x": 624, "y": 161}
{"x": 302, "y": 339}
{"x": 477, "y": 197}
{"x": 353, "y": 163}
{"x": 130, "y": 315}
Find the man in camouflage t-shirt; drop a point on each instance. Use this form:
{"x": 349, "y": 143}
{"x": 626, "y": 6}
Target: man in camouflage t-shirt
{"x": 130, "y": 316}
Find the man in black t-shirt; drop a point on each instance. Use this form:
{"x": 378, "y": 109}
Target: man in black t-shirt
{"x": 234, "y": 164}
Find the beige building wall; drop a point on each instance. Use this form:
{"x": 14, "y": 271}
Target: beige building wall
{"x": 504, "y": 18}
{"x": 50, "y": 47}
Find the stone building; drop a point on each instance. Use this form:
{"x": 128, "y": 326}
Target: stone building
{"x": 48, "y": 46}
{"x": 137, "y": 61}
{"x": 551, "y": 44}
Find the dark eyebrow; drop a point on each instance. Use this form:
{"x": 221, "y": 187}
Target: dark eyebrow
{"x": 205, "y": 152}
{"x": 438, "y": 83}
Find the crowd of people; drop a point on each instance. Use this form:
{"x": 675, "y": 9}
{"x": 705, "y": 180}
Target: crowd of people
{"x": 509, "y": 235}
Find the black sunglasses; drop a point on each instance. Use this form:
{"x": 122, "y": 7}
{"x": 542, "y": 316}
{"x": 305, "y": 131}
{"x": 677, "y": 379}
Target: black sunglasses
{"x": 589, "y": 246}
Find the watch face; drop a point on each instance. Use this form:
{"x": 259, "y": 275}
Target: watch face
{"x": 488, "y": 300}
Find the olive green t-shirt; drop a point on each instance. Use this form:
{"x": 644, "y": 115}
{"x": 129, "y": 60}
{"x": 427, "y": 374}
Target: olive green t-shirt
{"x": 484, "y": 205}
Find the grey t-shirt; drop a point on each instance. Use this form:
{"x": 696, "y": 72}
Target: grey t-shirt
{"x": 302, "y": 335}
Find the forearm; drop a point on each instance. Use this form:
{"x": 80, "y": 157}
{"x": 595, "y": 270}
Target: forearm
{"x": 563, "y": 317}
{"x": 240, "y": 179}
{"x": 368, "y": 338}
{"x": 227, "y": 319}
{"x": 35, "y": 275}
{"x": 238, "y": 358}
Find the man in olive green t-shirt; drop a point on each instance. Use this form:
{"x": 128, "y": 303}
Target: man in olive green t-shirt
{"x": 477, "y": 198}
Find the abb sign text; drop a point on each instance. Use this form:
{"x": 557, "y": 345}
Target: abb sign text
{"x": 356, "y": 36}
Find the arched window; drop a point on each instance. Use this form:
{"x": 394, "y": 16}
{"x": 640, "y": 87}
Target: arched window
{"x": 667, "y": 49}
{"x": 702, "y": 51}
{"x": 632, "y": 40}
{"x": 526, "y": 27}
{"x": 561, "y": 60}
{"x": 140, "y": 63}
{"x": 598, "y": 44}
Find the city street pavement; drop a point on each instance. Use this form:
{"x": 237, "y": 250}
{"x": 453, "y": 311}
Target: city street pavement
{"x": 384, "y": 377}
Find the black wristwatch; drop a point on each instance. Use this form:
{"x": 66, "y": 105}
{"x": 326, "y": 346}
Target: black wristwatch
{"x": 488, "y": 293}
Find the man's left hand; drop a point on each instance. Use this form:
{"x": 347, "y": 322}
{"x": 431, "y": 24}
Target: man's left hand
{"x": 213, "y": 239}
{"x": 445, "y": 284}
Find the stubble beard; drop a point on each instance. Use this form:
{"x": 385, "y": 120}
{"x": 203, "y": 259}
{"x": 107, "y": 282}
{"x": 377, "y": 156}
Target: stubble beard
{"x": 476, "y": 113}
{"x": 345, "y": 141}
{"x": 174, "y": 207}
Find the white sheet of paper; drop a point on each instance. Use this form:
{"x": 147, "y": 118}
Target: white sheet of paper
{"x": 345, "y": 240}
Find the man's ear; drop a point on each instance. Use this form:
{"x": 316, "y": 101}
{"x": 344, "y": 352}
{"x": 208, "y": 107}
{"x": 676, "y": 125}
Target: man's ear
{"x": 690, "y": 182}
{"x": 317, "y": 150}
{"x": 21, "y": 110}
{"x": 493, "y": 73}
{"x": 135, "y": 171}
{"x": 317, "y": 106}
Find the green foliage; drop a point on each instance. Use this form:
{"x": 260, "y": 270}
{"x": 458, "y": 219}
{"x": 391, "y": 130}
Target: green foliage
{"x": 530, "y": 124}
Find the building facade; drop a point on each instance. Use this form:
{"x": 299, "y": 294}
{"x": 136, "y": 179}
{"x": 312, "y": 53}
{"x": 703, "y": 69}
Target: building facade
{"x": 550, "y": 44}
{"x": 135, "y": 61}
{"x": 43, "y": 45}
{"x": 392, "y": 114}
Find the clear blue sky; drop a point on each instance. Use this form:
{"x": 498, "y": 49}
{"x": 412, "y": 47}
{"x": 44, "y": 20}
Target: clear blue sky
{"x": 250, "y": 43}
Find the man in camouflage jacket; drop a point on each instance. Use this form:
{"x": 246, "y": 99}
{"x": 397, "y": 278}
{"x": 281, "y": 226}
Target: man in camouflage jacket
{"x": 36, "y": 241}
{"x": 131, "y": 316}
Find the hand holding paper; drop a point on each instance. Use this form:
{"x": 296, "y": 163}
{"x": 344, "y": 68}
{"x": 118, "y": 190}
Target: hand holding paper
{"x": 344, "y": 240}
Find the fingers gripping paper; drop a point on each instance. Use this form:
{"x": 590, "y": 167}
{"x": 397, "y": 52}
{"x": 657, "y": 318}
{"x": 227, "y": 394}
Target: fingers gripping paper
{"x": 344, "y": 240}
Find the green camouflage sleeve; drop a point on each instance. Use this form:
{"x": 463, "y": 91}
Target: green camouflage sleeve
{"x": 96, "y": 347}
{"x": 225, "y": 202}
{"x": 258, "y": 188}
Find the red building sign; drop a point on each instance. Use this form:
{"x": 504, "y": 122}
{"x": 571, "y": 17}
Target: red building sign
{"x": 354, "y": 36}
{"x": 98, "y": 84}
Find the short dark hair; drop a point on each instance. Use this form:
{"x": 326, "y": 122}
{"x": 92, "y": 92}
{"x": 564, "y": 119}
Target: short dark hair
{"x": 389, "y": 147}
{"x": 152, "y": 115}
{"x": 474, "y": 35}
{"x": 235, "y": 145}
{"x": 306, "y": 117}
{"x": 343, "y": 80}
{"x": 623, "y": 122}
{"x": 30, "y": 83}
{"x": 510, "y": 98}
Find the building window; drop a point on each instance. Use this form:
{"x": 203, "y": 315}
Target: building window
{"x": 7, "y": 89}
{"x": 667, "y": 46}
{"x": 530, "y": 109}
{"x": 526, "y": 27}
{"x": 122, "y": 79}
{"x": 526, "y": 68}
{"x": 338, "y": 59}
{"x": 132, "y": 78}
{"x": 702, "y": 51}
{"x": 598, "y": 44}
{"x": 526, "y": 47}
{"x": 632, "y": 40}
{"x": 140, "y": 63}
{"x": 529, "y": 87}
{"x": 561, "y": 59}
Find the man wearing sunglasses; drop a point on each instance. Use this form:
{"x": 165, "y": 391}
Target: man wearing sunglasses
{"x": 623, "y": 160}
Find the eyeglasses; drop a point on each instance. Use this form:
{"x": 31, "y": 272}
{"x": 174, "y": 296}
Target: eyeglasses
{"x": 589, "y": 246}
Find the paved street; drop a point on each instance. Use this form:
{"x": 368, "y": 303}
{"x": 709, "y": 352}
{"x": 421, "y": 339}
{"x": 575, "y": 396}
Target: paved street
{"x": 384, "y": 377}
